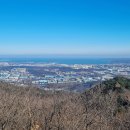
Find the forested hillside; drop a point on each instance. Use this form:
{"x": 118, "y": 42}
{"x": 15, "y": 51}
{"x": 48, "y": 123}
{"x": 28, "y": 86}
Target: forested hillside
{"x": 105, "y": 106}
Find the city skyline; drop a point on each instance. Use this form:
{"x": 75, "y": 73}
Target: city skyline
{"x": 69, "y": 27}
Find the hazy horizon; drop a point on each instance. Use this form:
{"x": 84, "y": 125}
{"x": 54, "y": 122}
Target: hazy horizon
{"x": 63, "y": 56}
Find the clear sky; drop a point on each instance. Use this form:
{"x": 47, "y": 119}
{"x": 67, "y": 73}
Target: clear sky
{"x": 65, "y": 27}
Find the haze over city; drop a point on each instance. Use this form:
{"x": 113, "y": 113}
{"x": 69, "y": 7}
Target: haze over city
{"x": 65, "y": 27}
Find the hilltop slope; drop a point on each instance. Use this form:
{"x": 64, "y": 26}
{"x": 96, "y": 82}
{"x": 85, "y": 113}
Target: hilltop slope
{"x": 109, "y": 105}
{"x": 105, "y": 106}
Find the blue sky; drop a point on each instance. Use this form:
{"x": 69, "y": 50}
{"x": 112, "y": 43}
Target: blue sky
{"x": 65, "y": 27}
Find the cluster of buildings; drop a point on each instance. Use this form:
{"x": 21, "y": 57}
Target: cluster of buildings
{"x": 16, "y": 76}
{"x": 62, "y": 73}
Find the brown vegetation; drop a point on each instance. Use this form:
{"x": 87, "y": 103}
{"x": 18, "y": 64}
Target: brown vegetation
{"x": 102, "y": 107}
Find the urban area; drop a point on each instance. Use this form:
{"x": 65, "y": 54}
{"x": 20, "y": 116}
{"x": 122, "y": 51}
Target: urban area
{"x": 45, "y": 75}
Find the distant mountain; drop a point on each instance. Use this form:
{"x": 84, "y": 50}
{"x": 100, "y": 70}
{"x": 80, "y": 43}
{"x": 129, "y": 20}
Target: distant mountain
{"x": 105, "y": 106}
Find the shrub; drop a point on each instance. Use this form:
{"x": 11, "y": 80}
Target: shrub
{"x": 122, "y": 102}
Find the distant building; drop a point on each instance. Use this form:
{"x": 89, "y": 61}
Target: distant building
{"x": 20, "y": 70}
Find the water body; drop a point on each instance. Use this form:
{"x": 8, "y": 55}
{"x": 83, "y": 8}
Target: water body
{"x": 66, "y": 60}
